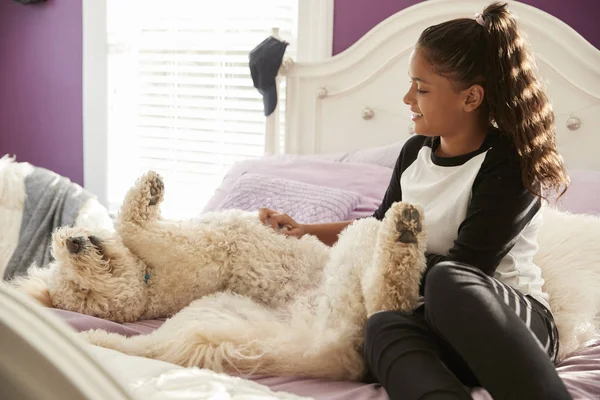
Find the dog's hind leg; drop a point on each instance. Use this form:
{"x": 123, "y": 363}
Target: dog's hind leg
{"x": 225, "y": 349}
{"x": 142, "y": 201}
{"x": 141, "y": 345}
{"x": 392, "y": 282}
{"x": 223, "y": 332}
{"x": 221, "y": 350}
{"x": 191, "y": 347}
{"x": 242, "y": 352}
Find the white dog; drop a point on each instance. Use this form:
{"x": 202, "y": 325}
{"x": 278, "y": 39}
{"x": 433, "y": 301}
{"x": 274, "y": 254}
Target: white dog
{"x": 275, "y": 304}
{"x": 261, "y": 302}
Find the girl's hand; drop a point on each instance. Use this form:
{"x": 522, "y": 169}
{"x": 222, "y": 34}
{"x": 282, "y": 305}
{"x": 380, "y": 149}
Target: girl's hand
{"x": 281, "y": 222}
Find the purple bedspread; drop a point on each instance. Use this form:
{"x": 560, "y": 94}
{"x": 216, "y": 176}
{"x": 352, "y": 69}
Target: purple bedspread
{"x": 580, "y": 372}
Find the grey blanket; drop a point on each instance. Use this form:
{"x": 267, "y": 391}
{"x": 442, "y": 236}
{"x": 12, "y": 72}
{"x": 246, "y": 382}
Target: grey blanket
{"x": 51, "y": 201}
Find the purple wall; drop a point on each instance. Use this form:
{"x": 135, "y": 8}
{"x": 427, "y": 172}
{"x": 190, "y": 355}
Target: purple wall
{"x": 354, "y": 18}
{"x": 40, "y": 85}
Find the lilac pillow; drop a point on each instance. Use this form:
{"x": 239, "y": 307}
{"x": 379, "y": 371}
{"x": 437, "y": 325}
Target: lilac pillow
{"x": 304, "y": 202}
{"x": 369, "y": 181}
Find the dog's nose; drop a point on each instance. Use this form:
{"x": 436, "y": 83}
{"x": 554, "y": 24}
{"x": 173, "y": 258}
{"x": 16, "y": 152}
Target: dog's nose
{"x": 74, "y": 245}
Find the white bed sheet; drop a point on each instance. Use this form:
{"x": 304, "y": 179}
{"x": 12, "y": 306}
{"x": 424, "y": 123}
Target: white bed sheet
{"x": 157, "y": 380}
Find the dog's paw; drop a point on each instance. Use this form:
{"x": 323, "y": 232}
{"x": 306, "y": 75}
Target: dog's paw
{"x": 96, "y": 337}
{"x": 404, "y": 223}
{"x": 148, "y": 189}
{"x": 142, "y": 200}
{"x": 408, "y": 223}
{"x": 154, "y": 187}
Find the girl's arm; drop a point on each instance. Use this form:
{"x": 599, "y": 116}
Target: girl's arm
{"x": 327, "y": 233}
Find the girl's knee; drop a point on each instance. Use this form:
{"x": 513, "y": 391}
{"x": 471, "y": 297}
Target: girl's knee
{"x": 447, "y": 274}
{"x": 449, "y": 287}
{"x": 386, "y": 322}
{"x": 387, "y": 327}
{"x": 377, "y": 323}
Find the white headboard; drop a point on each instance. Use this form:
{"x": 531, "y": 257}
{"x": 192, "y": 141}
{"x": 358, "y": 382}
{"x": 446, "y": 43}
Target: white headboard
{"x": 354, "y": 99}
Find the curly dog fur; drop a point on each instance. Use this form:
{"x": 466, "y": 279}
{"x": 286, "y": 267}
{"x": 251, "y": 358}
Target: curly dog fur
{"x": 261, "y": 302}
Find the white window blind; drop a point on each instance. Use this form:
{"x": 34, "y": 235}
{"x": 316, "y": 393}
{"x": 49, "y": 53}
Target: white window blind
{"x": 180, "y": 94}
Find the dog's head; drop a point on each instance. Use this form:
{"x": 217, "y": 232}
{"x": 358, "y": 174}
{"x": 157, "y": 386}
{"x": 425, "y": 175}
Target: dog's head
{"x": 92, "y": 273}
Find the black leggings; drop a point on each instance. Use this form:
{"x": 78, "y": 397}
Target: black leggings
{"x": 472, "y": 331}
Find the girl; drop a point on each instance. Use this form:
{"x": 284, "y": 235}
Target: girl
{"x": 482, "y": 159}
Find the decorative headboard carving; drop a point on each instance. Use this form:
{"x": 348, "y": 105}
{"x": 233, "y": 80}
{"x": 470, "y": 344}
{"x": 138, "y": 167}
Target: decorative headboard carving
{"x": 354, "y": 99}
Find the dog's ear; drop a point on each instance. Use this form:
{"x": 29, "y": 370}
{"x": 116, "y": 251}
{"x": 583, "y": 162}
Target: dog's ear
{"x": 35, "y": 284}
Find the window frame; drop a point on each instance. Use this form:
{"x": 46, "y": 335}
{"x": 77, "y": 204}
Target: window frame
{"x": 315, "y": 43}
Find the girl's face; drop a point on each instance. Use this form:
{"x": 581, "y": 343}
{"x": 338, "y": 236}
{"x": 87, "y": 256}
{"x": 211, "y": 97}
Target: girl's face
{"x": 437, "y": 107}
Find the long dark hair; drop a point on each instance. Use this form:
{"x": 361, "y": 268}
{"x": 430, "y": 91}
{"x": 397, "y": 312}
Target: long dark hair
{"x": 490, "y": 51}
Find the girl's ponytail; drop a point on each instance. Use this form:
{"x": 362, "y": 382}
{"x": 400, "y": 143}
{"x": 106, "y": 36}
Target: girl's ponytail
{"x": 517, "y": 102}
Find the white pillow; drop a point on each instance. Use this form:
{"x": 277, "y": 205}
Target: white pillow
{"x": 569, "y": 257}
{"x": 384, "y": 156}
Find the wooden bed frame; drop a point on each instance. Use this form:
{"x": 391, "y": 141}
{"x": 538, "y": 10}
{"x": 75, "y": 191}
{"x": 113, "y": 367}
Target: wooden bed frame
{"x": 354, "y": 99}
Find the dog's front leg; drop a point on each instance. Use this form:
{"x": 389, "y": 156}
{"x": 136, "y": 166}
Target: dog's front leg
{"x": 392, "y": 282}
{"x": 142, "y": 201}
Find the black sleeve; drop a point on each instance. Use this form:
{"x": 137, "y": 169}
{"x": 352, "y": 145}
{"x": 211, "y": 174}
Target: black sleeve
{"x": 500, "y": 208}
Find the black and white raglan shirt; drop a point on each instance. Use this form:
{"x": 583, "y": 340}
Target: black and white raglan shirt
{"x": 477, "y": 210}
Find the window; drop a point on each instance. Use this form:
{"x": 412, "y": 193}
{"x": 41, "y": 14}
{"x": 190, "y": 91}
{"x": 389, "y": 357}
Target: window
{"x": 180, "y": 95}
{"x": 166, "y": 86}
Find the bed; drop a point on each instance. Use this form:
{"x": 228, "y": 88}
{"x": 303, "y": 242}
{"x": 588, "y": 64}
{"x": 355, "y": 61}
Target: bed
{"x": 341, "y": 125}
